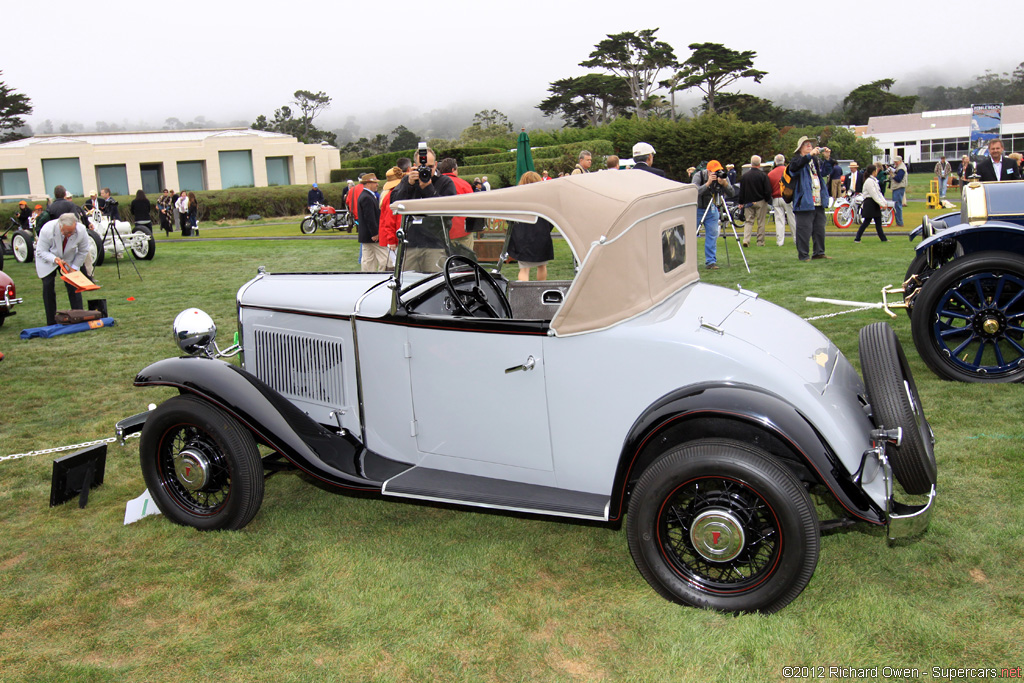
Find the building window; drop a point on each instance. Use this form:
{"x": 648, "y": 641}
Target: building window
{"x": 952, "y": 148}
{"x": 152, "y": 177}
{"x": 66, "y": 172}
{"x": 236, "y": 169}
{"x": 14, "y": 181}
{"x": 192, "y": 175}
{"x": 277, "y": 171}
{"x": 114, "y": 176}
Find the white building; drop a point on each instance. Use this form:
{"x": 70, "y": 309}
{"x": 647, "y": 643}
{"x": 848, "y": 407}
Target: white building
{"x": 926, "y": 136}
{"x": 212, "y": 159}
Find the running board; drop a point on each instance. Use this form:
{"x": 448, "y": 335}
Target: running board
{"x": 466, "y": 489}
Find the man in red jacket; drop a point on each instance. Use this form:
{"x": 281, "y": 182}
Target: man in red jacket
{"x": 352, "y": 199}
{"x": 458, "y": 233}
{"x": 783, "y": 211}
{"x": 390, "y": 221}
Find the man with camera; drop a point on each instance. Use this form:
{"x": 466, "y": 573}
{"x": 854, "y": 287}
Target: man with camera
{"x": 711, "y": 184}
{"x": 424, "y": 235}
{"x": 810, "y": 197}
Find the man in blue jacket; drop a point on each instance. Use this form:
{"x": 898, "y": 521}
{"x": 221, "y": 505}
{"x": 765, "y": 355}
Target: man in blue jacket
{"x": 810, "y": 197}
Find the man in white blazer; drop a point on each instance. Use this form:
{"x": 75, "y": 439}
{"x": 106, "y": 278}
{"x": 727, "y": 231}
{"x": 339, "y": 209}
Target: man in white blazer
{"x": 63, "y": 239}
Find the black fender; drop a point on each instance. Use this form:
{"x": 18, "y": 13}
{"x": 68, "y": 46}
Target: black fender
{"x": 272, "y": 418}
{"x": 746, "y": 413}
{"x": 989, "y": 236}
{"x": 948, "y": 220}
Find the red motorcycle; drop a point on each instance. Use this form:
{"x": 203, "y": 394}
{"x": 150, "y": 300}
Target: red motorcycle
{"x": 324, "y": 217}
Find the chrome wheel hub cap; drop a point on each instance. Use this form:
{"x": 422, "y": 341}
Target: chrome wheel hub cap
{"x": 192, "y": 468}
{"x": 717, "y": 535}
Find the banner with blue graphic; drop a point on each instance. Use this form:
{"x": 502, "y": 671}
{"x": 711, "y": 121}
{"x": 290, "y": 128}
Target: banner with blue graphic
{"x": 985, "y": 120}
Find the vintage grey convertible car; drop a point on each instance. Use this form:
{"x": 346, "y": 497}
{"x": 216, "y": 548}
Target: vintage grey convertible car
{"x": 965, "y": 287}
{"x": 704, "y": 417}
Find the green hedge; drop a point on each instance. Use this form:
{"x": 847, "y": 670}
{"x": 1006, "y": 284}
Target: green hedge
{"x": 598, "y": 148}
{"x": 380, "y": 163}
{"x": 690, "y": 142}
{"x": 340, "y": 175}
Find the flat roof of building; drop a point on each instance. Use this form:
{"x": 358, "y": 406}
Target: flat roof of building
{"x": 947, "y": 118}
{"x": 142, "y": 137}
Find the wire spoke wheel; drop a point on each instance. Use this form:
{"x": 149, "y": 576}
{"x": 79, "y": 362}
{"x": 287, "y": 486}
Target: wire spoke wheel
{"x": 193, "y": 470}
{"x": 720, "y": 524}
{"x": 201, "y": 466}
{"x": 971, "y": 327}
{"x": 719, "y": 534}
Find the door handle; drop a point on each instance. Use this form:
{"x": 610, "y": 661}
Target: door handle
{"x": 528, "y": 365}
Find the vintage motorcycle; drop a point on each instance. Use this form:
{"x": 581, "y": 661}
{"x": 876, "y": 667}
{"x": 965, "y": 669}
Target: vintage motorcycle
{"x": 847, "y": 210}
{"x": 323, "y": 217}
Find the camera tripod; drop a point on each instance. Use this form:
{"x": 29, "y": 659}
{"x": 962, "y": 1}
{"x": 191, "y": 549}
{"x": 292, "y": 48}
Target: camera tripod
{"x": 116, "y": 237}
{"x": 723, "y": 212}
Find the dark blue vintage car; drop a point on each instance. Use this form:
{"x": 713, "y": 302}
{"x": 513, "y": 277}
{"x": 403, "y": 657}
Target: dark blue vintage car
{"x": 965, "y": 287}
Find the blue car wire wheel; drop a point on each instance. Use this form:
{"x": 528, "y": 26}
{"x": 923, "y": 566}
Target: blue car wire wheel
{"x": 968, "y": 324}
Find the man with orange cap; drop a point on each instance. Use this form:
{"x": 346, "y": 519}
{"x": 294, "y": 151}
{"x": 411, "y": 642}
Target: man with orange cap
{"x": 710, "y": 182}
{"x": 24, "y": 213}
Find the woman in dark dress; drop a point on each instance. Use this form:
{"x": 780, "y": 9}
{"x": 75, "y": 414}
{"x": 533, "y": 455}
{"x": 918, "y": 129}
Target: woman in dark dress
{"x": 193, "y": 213}
{"x": 142, "y": 211}
{"x": 531, "y": 244}
{"x": 165, "y": 207}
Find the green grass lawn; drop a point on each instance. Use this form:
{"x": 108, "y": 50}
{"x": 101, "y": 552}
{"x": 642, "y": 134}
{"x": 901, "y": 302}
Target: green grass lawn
{"x": 323, "y": 586}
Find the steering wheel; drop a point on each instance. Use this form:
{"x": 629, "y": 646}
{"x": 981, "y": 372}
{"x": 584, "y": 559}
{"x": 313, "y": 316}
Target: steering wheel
{"x": 473, "y": 300}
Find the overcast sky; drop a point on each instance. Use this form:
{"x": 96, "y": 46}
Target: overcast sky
{"x": 132, "y": 62}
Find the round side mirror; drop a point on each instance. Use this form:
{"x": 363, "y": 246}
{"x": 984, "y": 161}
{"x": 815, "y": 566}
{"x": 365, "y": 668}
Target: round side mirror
{"x": 194, "y": 331}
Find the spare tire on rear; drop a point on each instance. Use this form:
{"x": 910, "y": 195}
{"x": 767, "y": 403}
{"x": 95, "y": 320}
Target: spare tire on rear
{"x": 895, "y": 403}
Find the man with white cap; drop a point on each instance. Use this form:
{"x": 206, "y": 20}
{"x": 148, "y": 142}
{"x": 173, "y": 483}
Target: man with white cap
{"x": 643, "y": 155}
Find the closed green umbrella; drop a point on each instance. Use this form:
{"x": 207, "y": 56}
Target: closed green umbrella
{"x": 524, "y": 158}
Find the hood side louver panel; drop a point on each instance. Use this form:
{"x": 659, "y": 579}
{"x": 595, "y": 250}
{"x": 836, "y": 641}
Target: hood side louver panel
{"x": 305, "y": 367}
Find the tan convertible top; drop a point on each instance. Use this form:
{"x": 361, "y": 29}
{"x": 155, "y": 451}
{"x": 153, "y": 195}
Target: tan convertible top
{"x": 614, "y": 222}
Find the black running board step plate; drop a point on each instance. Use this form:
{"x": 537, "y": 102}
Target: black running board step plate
{"x": 467, "y": 489}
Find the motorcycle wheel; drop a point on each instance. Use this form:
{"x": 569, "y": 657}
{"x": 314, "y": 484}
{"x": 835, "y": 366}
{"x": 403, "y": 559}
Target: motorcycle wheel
{"x": 308, "y": 226}
{"x": 888, "y": 215}
{"x": 842, "y": 217}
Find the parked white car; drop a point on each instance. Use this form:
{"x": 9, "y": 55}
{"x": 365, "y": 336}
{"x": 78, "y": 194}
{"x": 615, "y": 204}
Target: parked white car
{"x": 701, "y": 416}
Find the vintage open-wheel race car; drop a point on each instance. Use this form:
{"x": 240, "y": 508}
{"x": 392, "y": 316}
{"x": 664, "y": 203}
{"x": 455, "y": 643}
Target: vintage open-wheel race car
{"x": 112, "y": 236}
{"x": 8, "y": 295}
{"x": 703, "y": 418}
{"x": 18, "y": 242}
{"x": 964, "y": 289}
